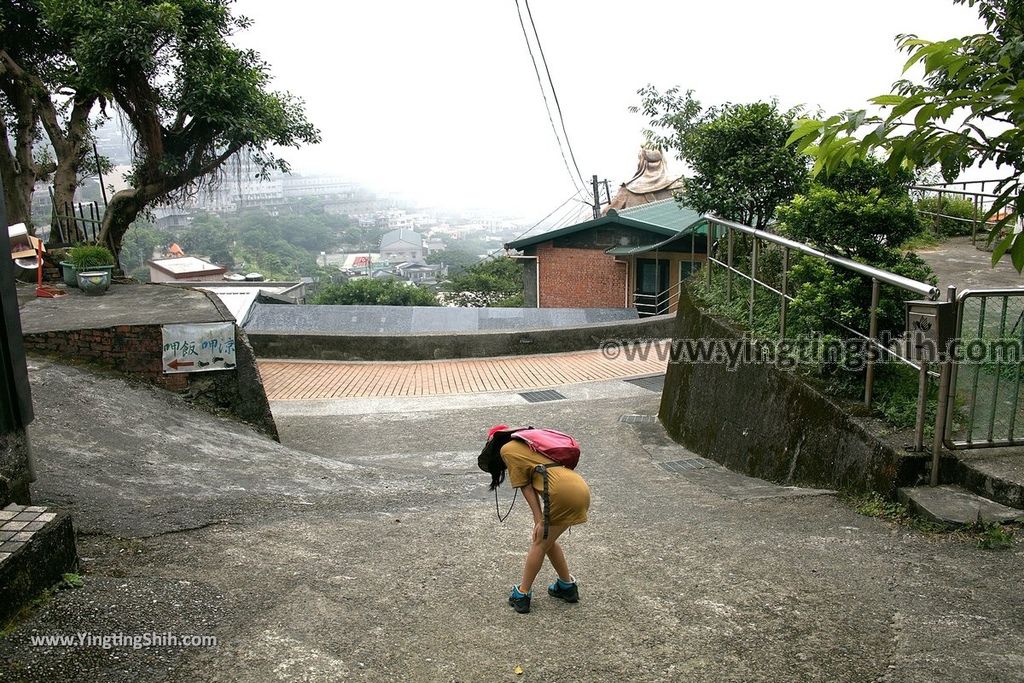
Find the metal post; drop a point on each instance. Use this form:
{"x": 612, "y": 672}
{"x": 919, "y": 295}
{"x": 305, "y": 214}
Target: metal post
{"x": 99, "y": 172}
{"x": 977, "y": 220}
{"x": 784, "y": 288}
{"x": 753, "y": 280}
{"x": 707, "y": 253}
{"x": 728, "y": 271}
{"x": 940, "y": 420}
{"x": 922, "y": 401}
{"x": 869, "y": 377}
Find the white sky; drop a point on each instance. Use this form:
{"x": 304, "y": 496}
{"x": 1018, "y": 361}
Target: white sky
{"x": 438, "y": 100}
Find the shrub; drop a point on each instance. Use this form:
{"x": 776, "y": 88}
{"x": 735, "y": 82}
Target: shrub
{"x": 945, "y": 216}
{"x": 855, "y": 225}
{"x": 374, "y": 293}
{"x": 86, "y": 256}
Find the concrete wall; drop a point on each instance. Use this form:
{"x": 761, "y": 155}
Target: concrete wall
{"x": 771, "y": 424}
{"x": 455, "y": 345}
{"x": 137, "y": 350}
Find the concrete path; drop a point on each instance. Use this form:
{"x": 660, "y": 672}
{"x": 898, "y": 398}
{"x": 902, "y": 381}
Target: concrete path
{"x": 365, "y": 547}
{"x": 958, "y": 262}
{"x": 298, "y": 380}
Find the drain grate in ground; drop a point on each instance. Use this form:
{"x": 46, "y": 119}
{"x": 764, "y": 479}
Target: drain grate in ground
{"x": 638, "y": 419}
{"x": 655, "y": 383}
{"x": 685, "y": 465}
{"x": 541, "y": 396}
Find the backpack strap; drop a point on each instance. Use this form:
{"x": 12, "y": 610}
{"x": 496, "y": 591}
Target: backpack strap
{"x": 543, "y": 470}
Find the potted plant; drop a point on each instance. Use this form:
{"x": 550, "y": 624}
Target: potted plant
{"x": 87, "y": 258}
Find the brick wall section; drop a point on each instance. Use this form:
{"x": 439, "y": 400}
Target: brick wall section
{"x": 134, "y": 349}
{"x": 580, "y": 278}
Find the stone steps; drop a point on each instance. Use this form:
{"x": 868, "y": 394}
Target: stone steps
{"x": 956, "y": 505}
{"x": 996, "y": 476}
{"x": 37, "y": 547}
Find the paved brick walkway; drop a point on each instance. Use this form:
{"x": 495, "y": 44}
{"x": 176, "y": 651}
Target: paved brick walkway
{"x": 294, "y": 380}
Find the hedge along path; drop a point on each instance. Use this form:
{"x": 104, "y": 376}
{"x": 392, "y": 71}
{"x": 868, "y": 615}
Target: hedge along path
{"x": 303, "y": 380}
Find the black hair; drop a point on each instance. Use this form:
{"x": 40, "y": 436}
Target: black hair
{"x": 490, "y": 459}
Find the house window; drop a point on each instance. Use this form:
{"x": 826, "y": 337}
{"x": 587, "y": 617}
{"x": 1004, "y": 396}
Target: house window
{"x": 687, "y": 268}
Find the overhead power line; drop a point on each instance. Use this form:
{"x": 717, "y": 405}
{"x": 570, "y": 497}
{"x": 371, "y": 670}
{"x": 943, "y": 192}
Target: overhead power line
{"x": 582, "y": 186}
{"x": 554, "y": 93}
{"x": 553, "y": 212}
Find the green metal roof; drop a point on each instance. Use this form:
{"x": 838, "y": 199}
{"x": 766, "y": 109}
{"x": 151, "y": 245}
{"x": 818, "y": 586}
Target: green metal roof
{"x": 667, "y": 213}
{"x": 666, "y": 217}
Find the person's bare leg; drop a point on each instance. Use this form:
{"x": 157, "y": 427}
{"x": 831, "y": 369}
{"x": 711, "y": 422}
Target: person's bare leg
{"x": 535, "y": 558}
{"x": 557, "y": 559}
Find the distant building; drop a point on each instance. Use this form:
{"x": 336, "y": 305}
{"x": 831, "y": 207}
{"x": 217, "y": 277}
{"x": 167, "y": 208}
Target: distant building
{"x": 630, "y": 258}
{"x": 421, "y": 273}
{"x": 434, "y": 244}
{"x": 402, "y": 245}
{"x": 184, "y": 269}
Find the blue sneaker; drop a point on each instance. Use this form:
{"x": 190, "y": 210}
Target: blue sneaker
{"x": 519, "y": 600}
{"x": 564, "y": 591}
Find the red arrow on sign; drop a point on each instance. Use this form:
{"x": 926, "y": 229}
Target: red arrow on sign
{"x": 175, "y": 364}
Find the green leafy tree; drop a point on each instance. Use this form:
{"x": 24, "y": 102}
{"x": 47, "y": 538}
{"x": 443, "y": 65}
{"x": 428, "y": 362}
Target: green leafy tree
{"x": 192, "y": 99}
{"x": 495, "y": 282}
{"x": 457, "y": 260}
{"x": 209, "y": 236}
{"x": 742, "y": 167}
{"x": 864, "y": 213}
{"x": 138, "y": 247}
{"x": 966, "y": 109}
{"x": 370, "y": 292}
{"x": 860, "y": 212}
{"x": 35, "y": 79}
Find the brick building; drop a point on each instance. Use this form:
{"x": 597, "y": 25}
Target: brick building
{"x": 630, "y": 258}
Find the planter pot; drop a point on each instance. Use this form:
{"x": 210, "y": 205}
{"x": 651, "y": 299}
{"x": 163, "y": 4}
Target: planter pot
{"x": 70, "y": 273}
{"x": 94, "y": 282}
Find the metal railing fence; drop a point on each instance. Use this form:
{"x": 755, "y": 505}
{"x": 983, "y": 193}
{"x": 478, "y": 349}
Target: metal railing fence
{"x": 984, "y": 396}
{"x": 74, "y": 223}
{"x": 980, "y": 201}
{"x": 724, "y": 235}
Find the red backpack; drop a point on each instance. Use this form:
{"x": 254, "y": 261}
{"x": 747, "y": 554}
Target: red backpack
{"x": 552, "y": 444}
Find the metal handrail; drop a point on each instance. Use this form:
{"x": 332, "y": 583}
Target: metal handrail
{"x": 949, "y": 190}
{"x": 978, "y": 199}
{"x": 924, "y": 289}
{"x": 658, "y": 302}
{"x": 877, "y": 275}
{"x": 962, "y": 183}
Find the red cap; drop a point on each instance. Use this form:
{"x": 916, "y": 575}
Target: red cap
{"x": 493, "y": 430}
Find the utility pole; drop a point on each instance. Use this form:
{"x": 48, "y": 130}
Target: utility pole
{"x": 597, "y": 198}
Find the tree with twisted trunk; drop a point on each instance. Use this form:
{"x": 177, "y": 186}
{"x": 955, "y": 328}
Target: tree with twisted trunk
{"x": 190, "y": 98}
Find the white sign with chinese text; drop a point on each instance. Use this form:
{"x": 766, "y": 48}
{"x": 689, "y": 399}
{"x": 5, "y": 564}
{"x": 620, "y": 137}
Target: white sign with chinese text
{"x": 198, "y": 347}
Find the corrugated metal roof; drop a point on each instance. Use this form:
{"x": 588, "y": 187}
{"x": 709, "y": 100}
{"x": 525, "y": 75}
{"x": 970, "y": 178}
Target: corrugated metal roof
{"x": 666, "y": 217}
{"x": 667, "y": 213}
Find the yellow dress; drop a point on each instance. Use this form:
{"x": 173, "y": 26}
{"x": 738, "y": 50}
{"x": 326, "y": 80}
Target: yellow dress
{"x": 568, "y": 494}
